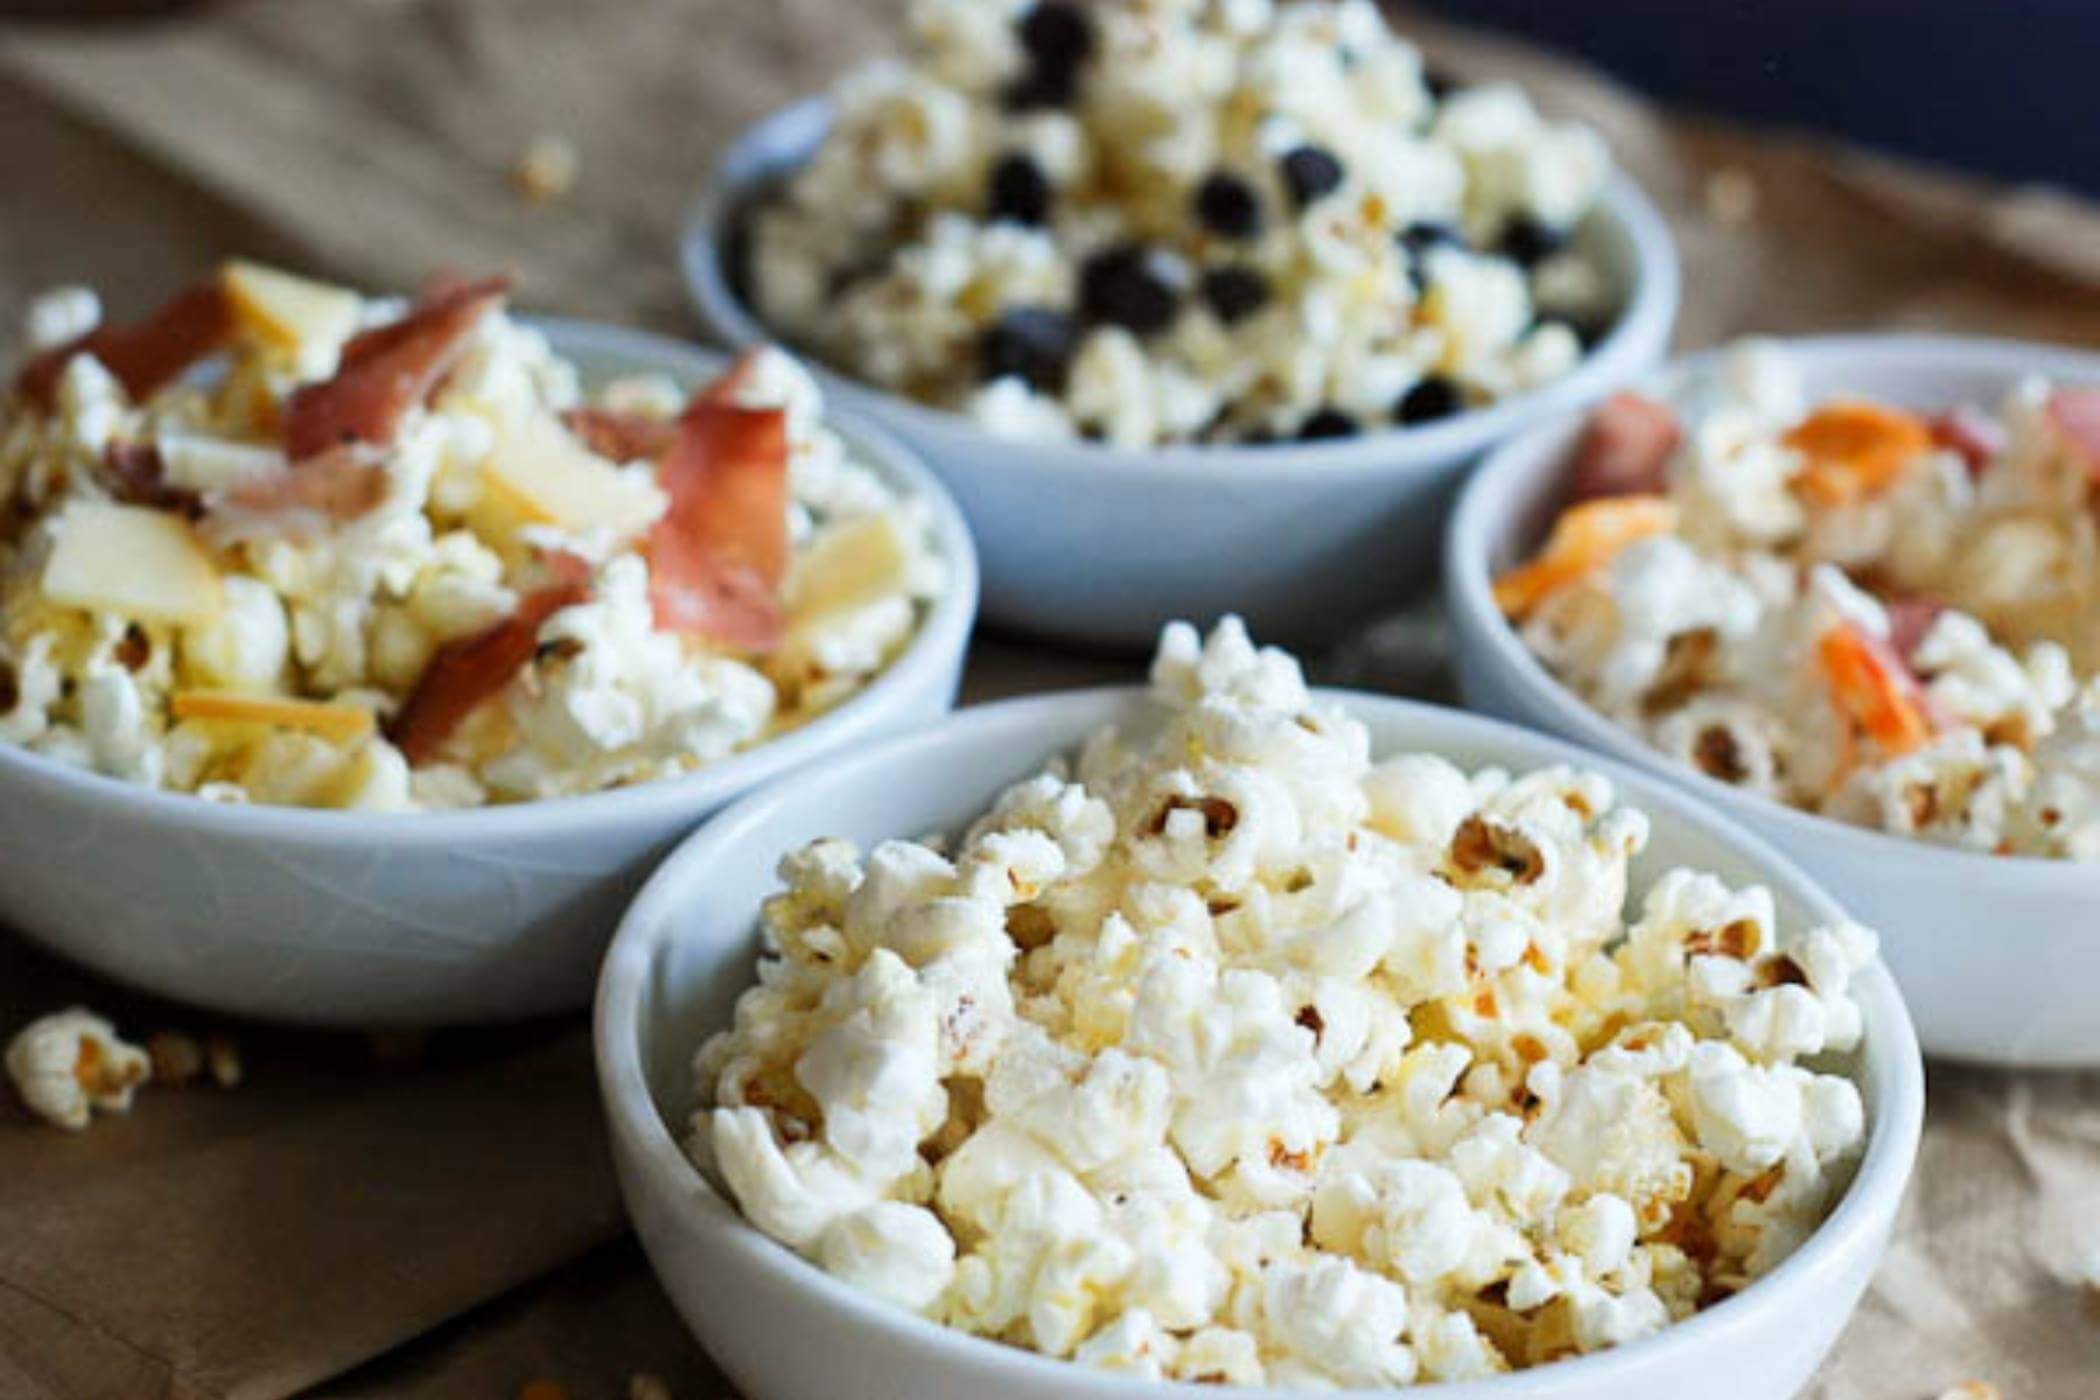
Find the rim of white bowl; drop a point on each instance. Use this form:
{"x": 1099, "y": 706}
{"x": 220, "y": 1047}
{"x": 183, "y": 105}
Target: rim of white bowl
{"x": 1477, "y": 521}
{"x": 1637, "y": 337}
{"x": 1891, "y": 1072}
{"x": 942, "y": 635}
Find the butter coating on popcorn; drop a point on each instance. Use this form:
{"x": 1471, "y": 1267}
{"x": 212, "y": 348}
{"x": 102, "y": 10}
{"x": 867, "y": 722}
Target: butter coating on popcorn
{"x": 71, "y": 1065}
{"x": 1164, "y": 221}
{"x": 398, "y": 556}
{"x": 1227, "y": 1051}
{"x": 1881, "y": 616}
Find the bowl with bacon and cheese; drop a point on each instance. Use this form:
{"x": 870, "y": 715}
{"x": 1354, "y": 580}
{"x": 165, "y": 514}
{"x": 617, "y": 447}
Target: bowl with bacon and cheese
{"x": 356, "y": 653}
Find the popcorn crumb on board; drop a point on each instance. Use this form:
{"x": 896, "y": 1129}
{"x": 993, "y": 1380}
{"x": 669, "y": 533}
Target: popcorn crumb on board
{"x": 1233, "y": 1050}
{"x": 645, "y": 1386}
{"x": 177, "y": 1058}
{"x": 222, "y": 1057}
{"x": 1879, "y": 615}
{"x": 547, "y": 169}
{"x": 1731, "y": 196}
{"x": 71, "y": 1064}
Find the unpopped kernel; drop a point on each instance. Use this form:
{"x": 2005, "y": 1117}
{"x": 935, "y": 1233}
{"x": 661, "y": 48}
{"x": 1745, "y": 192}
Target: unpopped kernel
{"x": 1228, "y": 1051}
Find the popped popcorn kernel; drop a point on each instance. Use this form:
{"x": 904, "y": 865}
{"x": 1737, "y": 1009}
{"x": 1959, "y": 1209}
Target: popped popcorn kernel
{"x": 69, "y": 1065}
{"x": 1304, "y": 1067}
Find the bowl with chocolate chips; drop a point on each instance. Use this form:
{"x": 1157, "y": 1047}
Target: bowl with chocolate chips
{"x": 1222, "y": 303}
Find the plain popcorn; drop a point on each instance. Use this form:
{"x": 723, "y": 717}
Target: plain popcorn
{"x": 1228, "y": 1051}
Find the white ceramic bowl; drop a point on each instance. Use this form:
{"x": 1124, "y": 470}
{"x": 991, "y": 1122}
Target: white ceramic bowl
{"x": 1996, "y": 955}
{"x": 1104, "y": 546}
{"x": 337, "y": 918}
{"x": 784, "y": 1330}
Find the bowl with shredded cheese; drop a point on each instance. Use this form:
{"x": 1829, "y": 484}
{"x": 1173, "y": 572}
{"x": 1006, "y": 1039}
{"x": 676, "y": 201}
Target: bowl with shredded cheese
{"x": 1239, "y": 1034}
{"x": 356, "y": 651}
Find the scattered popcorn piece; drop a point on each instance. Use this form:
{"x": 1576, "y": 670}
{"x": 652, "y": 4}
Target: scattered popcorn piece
{"x": 1971, "y": 1390}
{"x": 69, "y": 1064}
{"x": 1220, "y": 1051}
{"x": 177, "y": 1058}
{"x": 547, "y": 169}
{"x": 1731, "y": 196}
{"x": 223, "y": 1058}
{"x": 645, "y": 1386}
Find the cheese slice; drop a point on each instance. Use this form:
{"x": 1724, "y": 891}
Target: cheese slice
{"x": 290, "y": 313}
{"x": 339, "y": 724}
{"x": 849, "y": 565}
{"x": 540, "y": 468}
{"x": 138, "y": 563}
{"x": 195, "y": 462}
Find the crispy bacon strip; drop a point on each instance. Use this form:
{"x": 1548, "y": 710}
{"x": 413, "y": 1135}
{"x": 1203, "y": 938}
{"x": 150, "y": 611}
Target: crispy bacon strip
{"x": 386, "y": 371}
{"x": 466, "y": 672}
{"x": 338, "y": 485}
{"x": 1909, "y": 620}
{"x": 146, "y": 356}
{"x": 2076, "y": 414}
{"x": 622, "y": 437}
{"x": 632, "y": 437}
{"x": 137, "y": 477}
{"x": 1874, "y": 688}
{"x": 719, "y": 554}
{"x": 1625, "y": 449}
{"x": 724, "y": 389}
{"x": 1969, "y": 434}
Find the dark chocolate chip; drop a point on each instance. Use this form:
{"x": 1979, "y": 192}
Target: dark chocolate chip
{"x": 1057, "y": 34}
{"x": 1228, "y": 205}
{"x": 1121, "y": 287}
{"x": 1327, "y": 423}
{"x": 1310, "y": 173}
{"x": 1432, "y": 397}
{"x": 1234, "y": 293}
{"x": 1032, "y": 342}
{"x": 1020, "y": 191}
{"x": 1527, "y": 240}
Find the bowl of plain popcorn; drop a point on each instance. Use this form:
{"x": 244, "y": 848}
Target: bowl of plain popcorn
{"x": 358, "y": 654}
{"x": 1240, "y": 1034}
{"x": 1220, "y": 297}
{"x": 1849, "y": 590}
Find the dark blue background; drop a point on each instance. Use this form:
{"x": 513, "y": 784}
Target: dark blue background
{"x": 2002, "y": 87}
